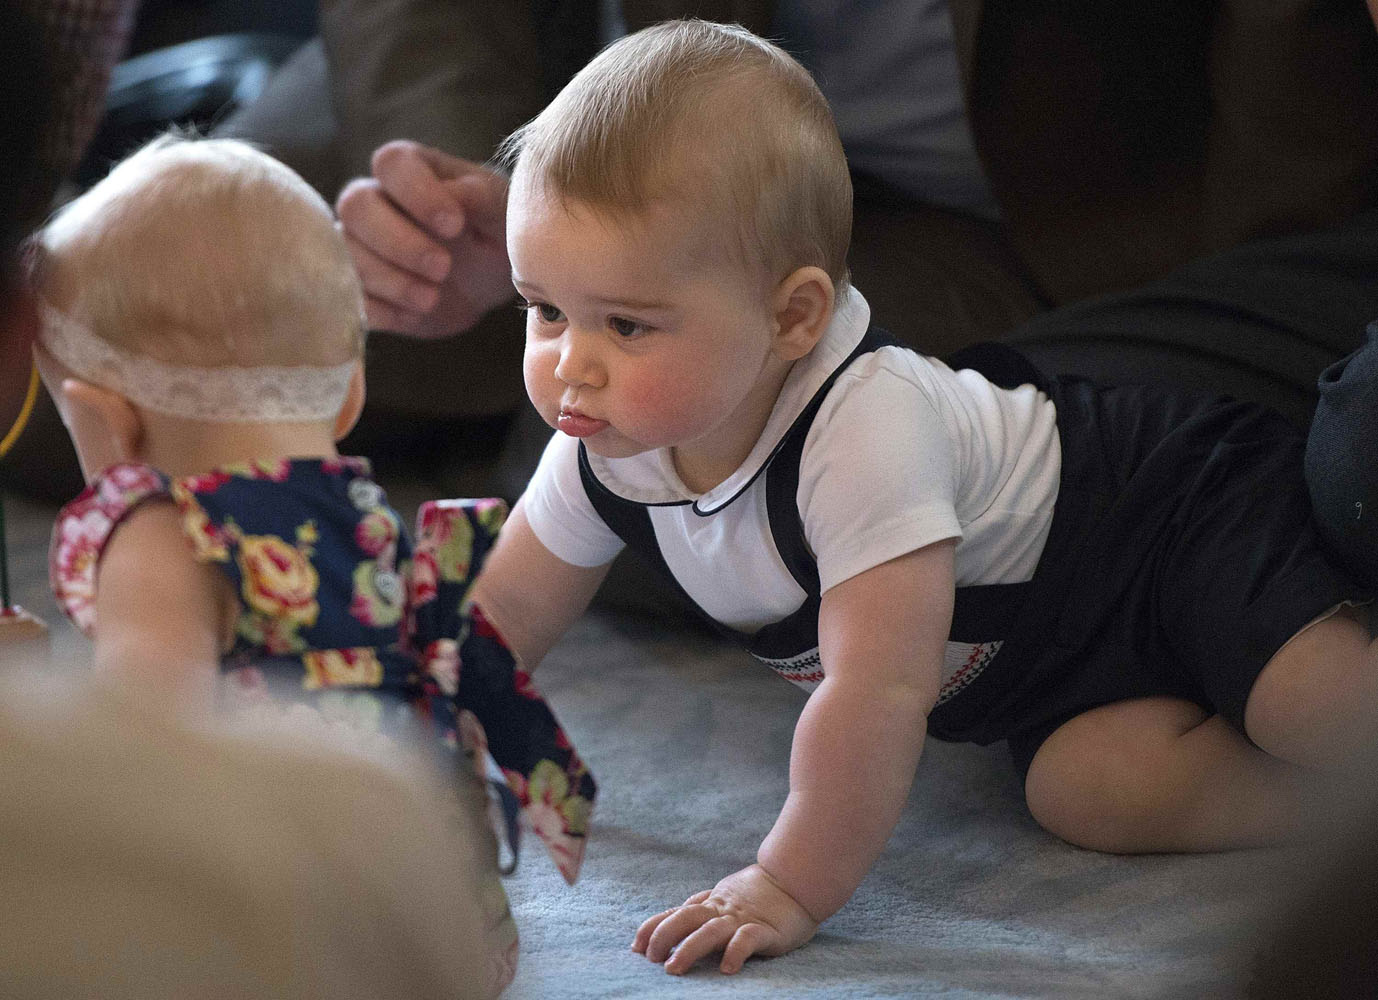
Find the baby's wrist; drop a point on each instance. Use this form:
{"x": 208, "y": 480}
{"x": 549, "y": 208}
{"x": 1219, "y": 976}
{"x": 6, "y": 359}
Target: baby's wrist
{"x": 775, "y": 880}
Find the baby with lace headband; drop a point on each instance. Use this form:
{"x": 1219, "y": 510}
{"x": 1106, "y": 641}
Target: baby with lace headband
{"x": 202, "y": 336}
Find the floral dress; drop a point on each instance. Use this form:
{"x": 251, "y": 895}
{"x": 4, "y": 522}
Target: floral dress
{"x": 339, "y": 611}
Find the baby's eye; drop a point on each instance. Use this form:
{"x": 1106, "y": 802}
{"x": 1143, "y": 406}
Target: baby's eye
{"x": 544, "y": 310}
{"x": 626, "y": 327}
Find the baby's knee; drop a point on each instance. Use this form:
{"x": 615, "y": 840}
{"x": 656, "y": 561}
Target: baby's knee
{"x": 1082, "y": 809}
{"x": 1064, "y": 802}
{"x": 1116, "y": 778}
{"x": 1081, "y": 796}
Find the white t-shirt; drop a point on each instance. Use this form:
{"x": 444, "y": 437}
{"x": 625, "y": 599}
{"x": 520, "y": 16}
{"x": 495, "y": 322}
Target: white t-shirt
{"x": 904, "y": 452}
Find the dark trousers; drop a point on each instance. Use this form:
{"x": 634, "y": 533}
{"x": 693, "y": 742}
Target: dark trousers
{"x": 1260, "y": 321}
{"x": 1278, "y": 321}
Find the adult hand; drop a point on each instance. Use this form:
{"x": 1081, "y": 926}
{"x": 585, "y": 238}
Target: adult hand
{"x": 745, "y": 914}
{"x": 427, "y": 234}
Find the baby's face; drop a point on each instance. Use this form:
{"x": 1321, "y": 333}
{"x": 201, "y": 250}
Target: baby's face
{"x": 642, "y": 333}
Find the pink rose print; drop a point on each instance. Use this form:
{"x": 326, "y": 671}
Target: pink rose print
{"x": 278, "y": 580}
{"x": 122, "y": 483}
{"x": 209, "y": 542}
{"x": 326, "y": 668}
{"x": 346, "y": 463}
{"x": 423, "y": 580}
{"x": 440, "y": 662}
{"x": 77, "y": 543}
{"x": 276, "y": 470}
{"x": 376, "y": 532}
{"x": 207, "y": 483}
{"x": 434, "y": 522}
{"x": 378, "y": 595}
{"x": 445, "y": 533}
{"x": 556, "y": 816}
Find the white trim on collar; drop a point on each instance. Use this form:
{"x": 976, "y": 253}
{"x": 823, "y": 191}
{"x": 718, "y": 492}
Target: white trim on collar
{"x": 650, "y": 478}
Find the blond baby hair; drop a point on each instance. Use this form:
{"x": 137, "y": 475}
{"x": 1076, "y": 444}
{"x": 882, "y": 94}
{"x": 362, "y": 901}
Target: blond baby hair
{"x": 714, "y": 117}
{"x": 205, "y": 252}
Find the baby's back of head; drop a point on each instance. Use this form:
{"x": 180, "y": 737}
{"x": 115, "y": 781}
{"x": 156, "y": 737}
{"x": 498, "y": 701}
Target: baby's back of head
{"x": 706, "y": 115}
{"x": 204, "y": 252}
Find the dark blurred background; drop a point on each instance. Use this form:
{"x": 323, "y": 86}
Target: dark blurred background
{"x": 191, "y": 63}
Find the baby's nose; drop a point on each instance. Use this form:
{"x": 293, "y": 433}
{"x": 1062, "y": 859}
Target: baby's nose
{"x": 579, "y": 363}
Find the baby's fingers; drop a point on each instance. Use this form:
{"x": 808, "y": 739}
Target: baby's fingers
{"x": 647, "y": 928}
{"x": 710, "y": 937}
{"x": 675, "y": 928}
{"x": 749, "y": 940}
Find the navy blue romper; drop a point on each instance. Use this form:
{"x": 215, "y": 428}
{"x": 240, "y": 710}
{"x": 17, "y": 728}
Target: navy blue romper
{"x": 1181, "y": 556}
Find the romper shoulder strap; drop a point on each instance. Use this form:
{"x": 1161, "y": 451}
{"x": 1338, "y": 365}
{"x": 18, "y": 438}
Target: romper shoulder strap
{"x": 782, "y": 478}
{"x": 631, "y": 522}
{"x": 980, "y": 611}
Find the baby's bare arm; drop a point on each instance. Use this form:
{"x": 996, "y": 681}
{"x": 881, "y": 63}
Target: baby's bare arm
{"x": 529, "y": 594}
{"x": 881, "y": 638}
{"x": 161, "y": 617}
{"x": 857, "y": 743}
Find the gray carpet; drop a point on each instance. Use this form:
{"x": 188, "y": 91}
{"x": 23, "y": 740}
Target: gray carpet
{"x": 689, "y": 741}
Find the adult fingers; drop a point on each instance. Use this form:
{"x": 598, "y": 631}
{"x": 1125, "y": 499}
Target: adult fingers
{"x": 368, "y": 219}
{"x": 748, "y": 940}
{"x": 414, "y": 176}
{"x": 385, "y": 316}
{"x": 484, "y": 197}
{"x": 710, "y": 937}
{"x": 444, "y": 164}
{"x": 385, "y": 281}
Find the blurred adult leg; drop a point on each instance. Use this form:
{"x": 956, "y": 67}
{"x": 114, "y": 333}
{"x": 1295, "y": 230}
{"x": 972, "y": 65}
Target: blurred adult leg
{"x": 1259, "y": 321}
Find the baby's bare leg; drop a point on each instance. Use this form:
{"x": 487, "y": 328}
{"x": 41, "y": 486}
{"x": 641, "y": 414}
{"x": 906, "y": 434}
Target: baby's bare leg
{"x": 1316, "y": 702}
{"x": 1160, "y": 774}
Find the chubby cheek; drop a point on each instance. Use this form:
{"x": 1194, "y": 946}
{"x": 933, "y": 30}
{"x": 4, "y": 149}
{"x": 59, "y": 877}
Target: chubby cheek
{"x": 664, "y": 409}
{"x": 538, "y": 374}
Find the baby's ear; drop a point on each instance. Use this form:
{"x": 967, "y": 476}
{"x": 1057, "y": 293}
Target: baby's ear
{"x": 803, "y": 306}
{"x": 353, "y": 402}
{"x": 105, "y": 427}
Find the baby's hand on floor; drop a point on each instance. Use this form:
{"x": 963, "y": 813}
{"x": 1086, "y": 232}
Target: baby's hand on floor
{"x": 745, "y": 914}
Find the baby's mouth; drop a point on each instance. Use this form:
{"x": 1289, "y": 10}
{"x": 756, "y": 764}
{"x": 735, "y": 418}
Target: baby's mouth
{"x": 578, "y": 425}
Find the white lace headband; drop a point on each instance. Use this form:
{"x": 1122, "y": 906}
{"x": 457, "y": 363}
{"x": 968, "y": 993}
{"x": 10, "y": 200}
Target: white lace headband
{"x": 230, "y": 394}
